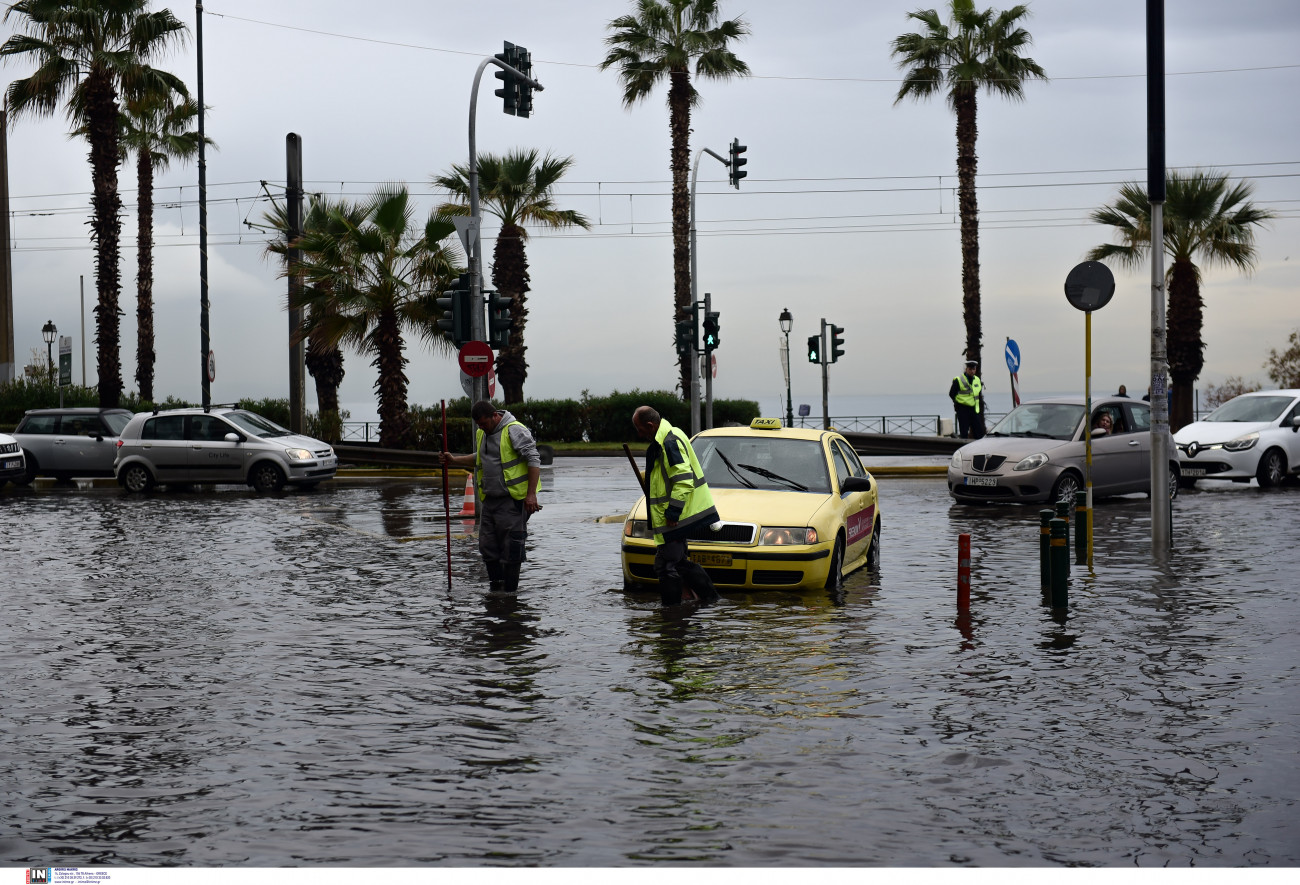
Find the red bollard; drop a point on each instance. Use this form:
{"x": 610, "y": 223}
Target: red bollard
{"x": 963, "y": 573}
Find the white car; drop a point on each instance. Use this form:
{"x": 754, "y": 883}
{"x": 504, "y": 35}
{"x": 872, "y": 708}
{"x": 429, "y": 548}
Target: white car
{"x": 1252, "y": 435}
{"x": 13, "y": 466}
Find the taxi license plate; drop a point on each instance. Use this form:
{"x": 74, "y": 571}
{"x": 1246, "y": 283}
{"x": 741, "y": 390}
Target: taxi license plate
{"x": 1193, "y": 471}
{"x": 12, "y": 465}
{"x": 981, "y": 480}
{"x": 720, "y": 560}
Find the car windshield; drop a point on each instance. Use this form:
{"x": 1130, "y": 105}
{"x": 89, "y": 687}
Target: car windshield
{"x": 256, "y": 424}
{"x": 116, "y": 422}
{"x": 1247, "y": 409}
{"x": 749, "y": 462}
{"x": 1046, "y": 420}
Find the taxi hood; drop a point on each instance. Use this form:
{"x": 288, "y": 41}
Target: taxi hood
{"x": 768, "y": 506}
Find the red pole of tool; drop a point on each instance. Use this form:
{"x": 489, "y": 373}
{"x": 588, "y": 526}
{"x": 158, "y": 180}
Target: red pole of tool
{"x": 446, "y": 497}
{"x": 963, "y": 573}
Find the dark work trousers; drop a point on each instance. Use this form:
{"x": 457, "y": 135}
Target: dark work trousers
{"x": 970, "y": 423}
{"x": 502, "y": 530}
{"x": 674, "y": 568}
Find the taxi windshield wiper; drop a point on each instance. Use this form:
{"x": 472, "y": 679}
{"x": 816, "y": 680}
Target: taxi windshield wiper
{"x": 775, "y": 477}
{"x": 732, "y": 468}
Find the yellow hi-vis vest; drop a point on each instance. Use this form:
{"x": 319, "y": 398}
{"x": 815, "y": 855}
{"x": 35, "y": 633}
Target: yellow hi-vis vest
{"x": 968, "y": 391}
{"x": 514, "y": 470}
{"x": 680, "y": 486}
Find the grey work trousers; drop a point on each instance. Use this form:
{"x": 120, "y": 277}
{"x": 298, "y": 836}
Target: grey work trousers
{"x": 502, "y": 529}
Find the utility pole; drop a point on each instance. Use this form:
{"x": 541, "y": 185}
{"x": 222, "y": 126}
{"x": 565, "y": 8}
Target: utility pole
{"x": 297, "y": 349}
{"x": 204, "y": 340}
{"x": 1161, "y": 511}
{"x": 826, "y": 380}
{"x": 8, "y": 364}
{"x": 695, "y": 289}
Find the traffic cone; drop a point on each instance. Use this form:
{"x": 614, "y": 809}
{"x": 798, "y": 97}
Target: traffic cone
{"x": 467, "y": 508}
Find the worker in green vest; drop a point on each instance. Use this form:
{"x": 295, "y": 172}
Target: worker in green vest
{"x": 967, "y": 395}
{"x": 679, "y": 505}
{"x": 507, "y": 473}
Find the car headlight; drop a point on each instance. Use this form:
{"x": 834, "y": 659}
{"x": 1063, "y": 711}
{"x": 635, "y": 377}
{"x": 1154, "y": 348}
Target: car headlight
{"x": 298, "y": 454}
{"x": 783, "y": 536}
{"x": 1030, "y": 462}
{"x": 1242, "y": 443}
{"x": 637, "y": 528}
{"x": 955, "y": 463}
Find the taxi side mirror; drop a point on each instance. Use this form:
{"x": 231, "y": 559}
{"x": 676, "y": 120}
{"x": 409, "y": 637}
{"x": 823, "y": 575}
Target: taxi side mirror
{"x": 856, "y": 484}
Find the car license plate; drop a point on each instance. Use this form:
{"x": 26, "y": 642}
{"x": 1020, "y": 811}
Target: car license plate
{"x": 13, "y": 465}
{"x": 721, "y": 560}
{"x": 981, "y": 480}
{"x": 1193, "y": 471}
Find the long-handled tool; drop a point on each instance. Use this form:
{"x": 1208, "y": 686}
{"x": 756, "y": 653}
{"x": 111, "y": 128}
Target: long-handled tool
{"x": 446, "y": 497}
{"x": 637, "y": 470}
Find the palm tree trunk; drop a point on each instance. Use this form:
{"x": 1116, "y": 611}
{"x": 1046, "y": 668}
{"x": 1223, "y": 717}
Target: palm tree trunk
{"x": 679, "y": 114}
{"x": 970, "y": 234}
{"x": 391, "y": 386}
{"x": 325, "y": 364}
{"x": 144, "y": 348}
{"x": 1183, "y": 340}
{"x": 510, "y": 277}
{"x": 106, "y": 226}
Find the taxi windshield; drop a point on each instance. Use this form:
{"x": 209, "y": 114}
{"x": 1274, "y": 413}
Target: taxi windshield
{"x": 1045, "y": 420}
{"x": 771, "y": 463}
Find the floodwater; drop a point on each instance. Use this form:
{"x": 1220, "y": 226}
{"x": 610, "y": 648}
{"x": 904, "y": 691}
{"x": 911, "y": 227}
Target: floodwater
{"x": 215, "y": 678}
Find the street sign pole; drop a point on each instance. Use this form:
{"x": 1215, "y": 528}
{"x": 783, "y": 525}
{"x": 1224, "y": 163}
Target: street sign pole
{"x": 826, "y": 402}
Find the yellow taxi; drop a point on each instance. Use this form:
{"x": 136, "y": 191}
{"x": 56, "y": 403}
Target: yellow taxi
{"x": 797, "y": 510}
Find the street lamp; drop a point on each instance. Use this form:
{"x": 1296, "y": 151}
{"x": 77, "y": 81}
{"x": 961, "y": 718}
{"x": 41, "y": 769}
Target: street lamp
{"x": 787, "y": 323}
{"x": 48, "y": 331}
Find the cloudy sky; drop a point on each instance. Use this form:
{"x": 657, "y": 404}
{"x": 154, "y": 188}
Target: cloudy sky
{"x": 848, "y": 212}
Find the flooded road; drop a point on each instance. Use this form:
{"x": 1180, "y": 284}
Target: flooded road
{"x": 214, "y": 678}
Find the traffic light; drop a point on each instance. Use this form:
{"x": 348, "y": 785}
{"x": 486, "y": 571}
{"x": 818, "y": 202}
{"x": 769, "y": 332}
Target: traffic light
{"x": 685, "y": 337}
{"x": 814, "y": 348}
{"x": 735, "y": 173}
{"x": 500, "y": 322}
{"x": 524, "y": 64}
{"x": 837, "y": 343}
{"x": 710, "y": 331}
{"x": 510, "y": 86}
{"x": 455, "y": 304}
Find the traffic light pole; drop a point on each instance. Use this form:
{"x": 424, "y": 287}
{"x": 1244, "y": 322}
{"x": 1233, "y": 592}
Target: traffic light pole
{"x": 826, "y": 379}
{"x": 708, "y": 370}
{"x": 695, "y": 354}
{"x": 478, "y": 328}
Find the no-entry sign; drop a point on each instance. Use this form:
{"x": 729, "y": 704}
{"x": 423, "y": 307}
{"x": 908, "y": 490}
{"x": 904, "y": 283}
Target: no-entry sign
{"x": 475, "y": 358}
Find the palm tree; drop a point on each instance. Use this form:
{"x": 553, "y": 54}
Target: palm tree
{"x": 1204, "y": 217}
{"x": 86, "y": 52}
{"x": 515, "y": 188}
{"x": 660, "y": 41}
{"x": 374, "y": 275}
{"x": 157, "y": 128}
{"x": 324, "y": 360}
{"x": 973, "y": 50}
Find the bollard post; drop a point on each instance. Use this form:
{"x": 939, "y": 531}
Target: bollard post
{"x": 1081, "y": 527}
{"x": 1063, "y": 512}
{"x": 1060, "y": 564}
{"x": 1045, "y": 548}
{"x": 963, "y": 573}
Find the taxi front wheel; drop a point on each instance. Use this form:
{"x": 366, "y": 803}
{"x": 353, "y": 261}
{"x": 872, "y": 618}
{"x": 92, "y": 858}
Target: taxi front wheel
{"x": 835, "y": 577}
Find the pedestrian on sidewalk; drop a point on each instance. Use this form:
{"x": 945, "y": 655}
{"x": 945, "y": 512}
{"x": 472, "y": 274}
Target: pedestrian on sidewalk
{"x": 507, "y": 474}
{"x": 967, "y": 395}
{"x": 678, "y": 503}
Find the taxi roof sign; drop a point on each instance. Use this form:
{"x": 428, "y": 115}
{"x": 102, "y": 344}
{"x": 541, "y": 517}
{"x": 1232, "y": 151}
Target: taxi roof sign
{"x": 765, "y": 424}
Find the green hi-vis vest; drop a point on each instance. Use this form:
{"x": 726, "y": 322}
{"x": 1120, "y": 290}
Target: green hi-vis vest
{"x": 968, "y": 391}
{"x": 514, "y": 470}
{"x": 676, "y": 480}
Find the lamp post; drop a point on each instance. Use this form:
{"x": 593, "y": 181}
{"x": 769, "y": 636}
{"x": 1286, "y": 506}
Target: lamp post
{"x": 48, "y": 331}
{"x": 787, "y": 323}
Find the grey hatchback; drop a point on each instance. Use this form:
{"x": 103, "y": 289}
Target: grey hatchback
{"x": 64, "y": 443}
{"x": 220, "y": 445}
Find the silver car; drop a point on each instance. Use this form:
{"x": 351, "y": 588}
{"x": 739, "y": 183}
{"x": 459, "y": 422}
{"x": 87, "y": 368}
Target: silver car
{"x": 64, "y": 443}
{"x": 220, "y": 445}
{"x": 1036, "y": 454}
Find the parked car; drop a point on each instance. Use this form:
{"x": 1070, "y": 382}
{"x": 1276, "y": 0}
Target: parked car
{"x": 1252, "y": 435}
{"x": 13, "y": 466}
{"x": 220, "y": 445}
{"x": 797, "y": 509}
{"x": 1036, "y": 454}
{"x": 64, "y": 443}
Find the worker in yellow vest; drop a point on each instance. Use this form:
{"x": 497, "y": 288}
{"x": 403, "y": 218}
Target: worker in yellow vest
{"x": 967, "y": 395}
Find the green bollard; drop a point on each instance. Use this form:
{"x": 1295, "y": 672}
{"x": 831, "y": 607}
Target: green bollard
{"x": 1063, "y": 512}
{"x": 1081, "y": 527}
{"x": 1045, "y": 548}
{"x": 1060, "y": 564}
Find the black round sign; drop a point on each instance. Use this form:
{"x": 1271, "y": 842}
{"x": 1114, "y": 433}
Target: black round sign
{"x": 1090, "y": 286}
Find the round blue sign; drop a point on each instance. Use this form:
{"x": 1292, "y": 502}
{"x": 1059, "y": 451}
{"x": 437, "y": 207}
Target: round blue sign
{"x": 1013, "y": 357}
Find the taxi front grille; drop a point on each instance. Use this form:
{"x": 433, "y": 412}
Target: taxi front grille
{"x": 729, "y": 533}
{"x": 776, "y": 578}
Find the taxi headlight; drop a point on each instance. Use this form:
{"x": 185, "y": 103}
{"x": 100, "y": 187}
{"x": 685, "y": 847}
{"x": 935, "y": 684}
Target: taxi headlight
{"x": 637, "y": 528}
{"x": 955, "y": 463}
{"x": 298, "y": 454}
{"x": 783, "y": 536}
{"x": 1242, "y": 443}
{"x": 1030, "y": 462}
